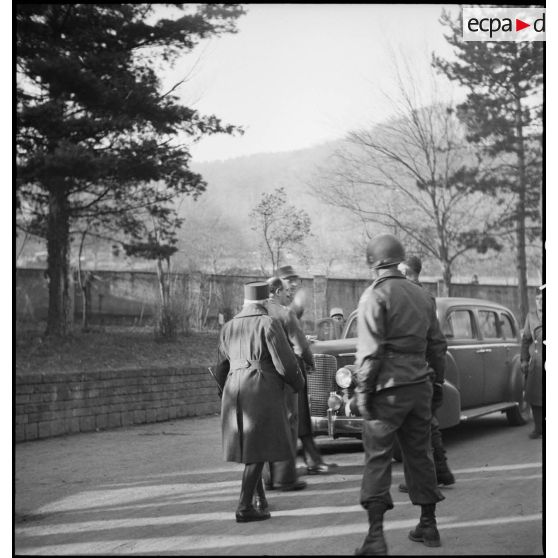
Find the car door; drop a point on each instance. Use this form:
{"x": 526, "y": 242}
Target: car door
{"x": 499, "y": 343}
{"x": 493, "y": 355}
{"x": 461, "y": 332}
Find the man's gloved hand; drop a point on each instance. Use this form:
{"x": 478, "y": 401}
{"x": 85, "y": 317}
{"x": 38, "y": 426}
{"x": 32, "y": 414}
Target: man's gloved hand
{"x": 437, "y": 395}
{"x": 524, "y": 367}
{"x": 363, "y": 401}
{"x": 366, "y": 376}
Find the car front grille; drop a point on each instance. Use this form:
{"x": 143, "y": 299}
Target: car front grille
{"x": 320, "y": 383}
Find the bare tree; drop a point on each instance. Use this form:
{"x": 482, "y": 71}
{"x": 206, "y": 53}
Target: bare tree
{"x": 410, "y": 176}
{"x": 281, "y": 225}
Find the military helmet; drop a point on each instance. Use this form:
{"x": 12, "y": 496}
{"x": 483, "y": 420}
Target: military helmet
{"x": 384, "y": 250}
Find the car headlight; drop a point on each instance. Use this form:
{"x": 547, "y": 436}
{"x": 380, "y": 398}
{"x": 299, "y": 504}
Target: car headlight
{"x": 334, "y": 402}
{"x": 343, "y": 377}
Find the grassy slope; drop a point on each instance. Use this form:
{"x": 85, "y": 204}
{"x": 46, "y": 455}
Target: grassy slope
{"x": 111, "y": 348}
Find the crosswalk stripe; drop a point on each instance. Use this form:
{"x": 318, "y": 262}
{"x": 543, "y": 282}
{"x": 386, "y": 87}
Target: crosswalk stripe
{"x": 188, "y": 543}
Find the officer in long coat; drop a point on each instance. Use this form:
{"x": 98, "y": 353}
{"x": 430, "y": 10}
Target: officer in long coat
{"x": 256, "y": 365}
{"x": 532, "y": 365}
{"x": 399, "y": 339}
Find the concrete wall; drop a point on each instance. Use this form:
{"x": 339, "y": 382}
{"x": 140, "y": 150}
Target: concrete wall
{"x": 54, "y": 404}
{"x": 132, "y": 297}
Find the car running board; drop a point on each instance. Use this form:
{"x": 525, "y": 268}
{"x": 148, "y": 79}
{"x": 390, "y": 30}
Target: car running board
{"x": 486, "y": 410}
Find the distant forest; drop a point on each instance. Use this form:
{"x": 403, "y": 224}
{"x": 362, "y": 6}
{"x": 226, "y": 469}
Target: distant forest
{"x": 216, "y": 235}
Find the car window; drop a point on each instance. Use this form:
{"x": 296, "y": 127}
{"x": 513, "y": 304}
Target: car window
{"x": 459, "y": 325}
{"x": 352, "y": 330}
{"x": 488, "y": 323}
{"x": 508, "y": 330}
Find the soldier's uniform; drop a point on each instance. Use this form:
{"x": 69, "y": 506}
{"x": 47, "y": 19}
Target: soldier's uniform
{"x": 397, "y": 327}
{"x": 443, "y": 473}
{"x": 399, "y": 344}
{"x": 256, "y": 365}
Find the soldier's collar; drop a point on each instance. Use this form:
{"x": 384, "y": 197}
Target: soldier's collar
{"x": 394, "y": 274}
{"x": 252, "y": 310}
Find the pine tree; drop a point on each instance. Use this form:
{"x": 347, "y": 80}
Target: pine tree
{"x": 503, "y": 113}
{"x": 96, "y": 135}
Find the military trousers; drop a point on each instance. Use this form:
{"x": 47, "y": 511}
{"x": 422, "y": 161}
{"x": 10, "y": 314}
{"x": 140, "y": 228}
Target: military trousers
{"x": 402, "y": 412}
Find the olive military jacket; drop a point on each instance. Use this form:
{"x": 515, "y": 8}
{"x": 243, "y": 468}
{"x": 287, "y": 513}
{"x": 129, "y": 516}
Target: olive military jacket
{"x": 531, "y": 351}
{"x": 255, "y": 366}
{"x": 399, "y": 336}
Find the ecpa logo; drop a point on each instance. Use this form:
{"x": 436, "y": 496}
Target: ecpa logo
{"x": 504, "y": 24}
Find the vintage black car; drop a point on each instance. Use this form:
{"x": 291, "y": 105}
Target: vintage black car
{"x": 482, "y": 374}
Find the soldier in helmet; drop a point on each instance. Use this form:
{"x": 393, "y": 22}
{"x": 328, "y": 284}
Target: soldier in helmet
{"x": 256, "y": 365}
{"x": 399, "y": 348}
{"x": 411, "y": 268}
{"x": 336, "y": 314}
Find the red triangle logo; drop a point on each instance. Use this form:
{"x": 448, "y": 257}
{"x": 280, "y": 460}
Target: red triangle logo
{"x": 519, "y": 25}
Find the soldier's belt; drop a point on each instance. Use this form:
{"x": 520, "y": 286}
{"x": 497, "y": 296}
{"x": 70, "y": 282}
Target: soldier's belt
{"x": 396, "y": 354}
{"x": 247, "y": 364}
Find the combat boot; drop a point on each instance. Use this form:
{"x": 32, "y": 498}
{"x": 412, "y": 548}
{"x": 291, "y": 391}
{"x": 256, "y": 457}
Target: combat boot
{"x": 374, "y": 544}
{"x": 426, "y": 531}
{"x": 443, "y": 474}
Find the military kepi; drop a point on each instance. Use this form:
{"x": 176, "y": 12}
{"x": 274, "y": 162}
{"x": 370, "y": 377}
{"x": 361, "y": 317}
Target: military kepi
{"x": 256, "y": 290}
{"x": 286, "y": 271}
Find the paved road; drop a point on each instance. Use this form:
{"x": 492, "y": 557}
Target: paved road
{"x": 163, "y": 489}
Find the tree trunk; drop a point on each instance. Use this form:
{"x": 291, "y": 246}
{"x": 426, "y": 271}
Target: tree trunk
{"x": 446, "y": 263}
{"x": 167, "y": 325}
{"x": 83, "y": 281}
{"x": 520, "y": 216}
{"x": 60, "y": 307}
{"x": 447, "y": 278}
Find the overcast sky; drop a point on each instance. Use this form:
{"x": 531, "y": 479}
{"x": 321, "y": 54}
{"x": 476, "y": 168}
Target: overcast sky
{"x": 298, "y": 75}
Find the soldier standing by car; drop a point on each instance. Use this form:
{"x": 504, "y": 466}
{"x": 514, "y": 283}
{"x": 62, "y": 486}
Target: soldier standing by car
{"x": 532, "y": 364}
{"x": 282, "y": 474}
{"x": 411, "y": 268}
{"x": 256, "y": 365}
{"x": 399, "y": 345}
{"x": 312, "y": 455}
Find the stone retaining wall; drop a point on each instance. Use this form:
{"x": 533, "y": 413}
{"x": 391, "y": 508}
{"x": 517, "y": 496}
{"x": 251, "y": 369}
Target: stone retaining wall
{"x": 54, "y": 404}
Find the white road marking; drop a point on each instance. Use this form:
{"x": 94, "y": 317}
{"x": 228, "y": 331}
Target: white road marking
{"x": 198, "y": 542}
{"x": 204, "y": 491}
{"x": 487, "y": 468}
{"x": 314, "y": 479}
{"x": 110, "y": 524}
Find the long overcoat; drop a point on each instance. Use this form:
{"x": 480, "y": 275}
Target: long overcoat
{"x": 531, "y": 351}
{"x": 256, "y": 365}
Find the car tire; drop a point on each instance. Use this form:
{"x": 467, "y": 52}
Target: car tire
{"x": 519, "y": 415}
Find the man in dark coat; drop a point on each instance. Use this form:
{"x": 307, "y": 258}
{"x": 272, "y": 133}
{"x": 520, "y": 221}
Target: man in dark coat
{"x": 312, "y": 455}
{"x": 399, "y": 346}
{"x": 411, "y": 268}
{"x": 256, "y": 365}
{"x": 282, "y": 474}
{"x": 532, "y": 365}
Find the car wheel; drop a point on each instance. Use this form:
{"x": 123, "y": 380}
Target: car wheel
{"x": 519, "y": 415}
